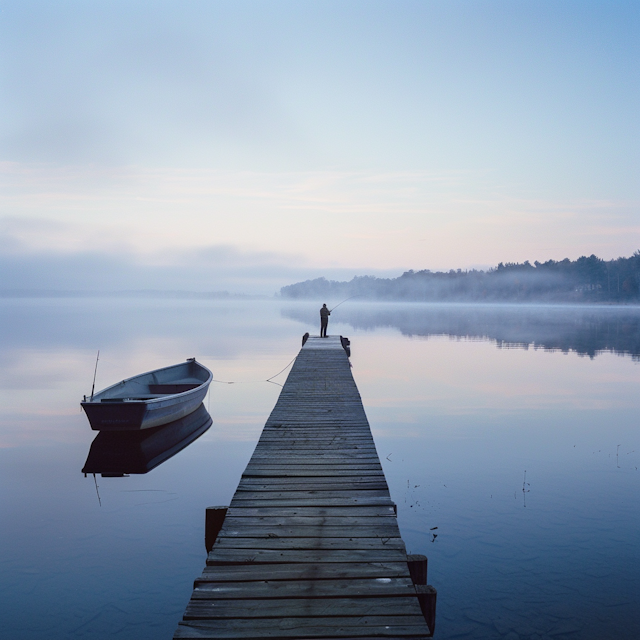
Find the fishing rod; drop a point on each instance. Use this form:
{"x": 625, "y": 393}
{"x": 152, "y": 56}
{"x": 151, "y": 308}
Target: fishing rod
{"x": 347, "y": 300}
{"x": 95, "y": 371}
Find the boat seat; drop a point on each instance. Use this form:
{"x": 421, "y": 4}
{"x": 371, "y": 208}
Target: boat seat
{"x": 145, "y": 396}
{"x": 174, "y": 387}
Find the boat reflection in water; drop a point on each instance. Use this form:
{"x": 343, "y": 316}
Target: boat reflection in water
{"x": 119, "y": 453}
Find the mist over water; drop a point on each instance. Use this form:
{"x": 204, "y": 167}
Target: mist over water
{"x": 525, "y": 457}
{"x": 583, "y": 330}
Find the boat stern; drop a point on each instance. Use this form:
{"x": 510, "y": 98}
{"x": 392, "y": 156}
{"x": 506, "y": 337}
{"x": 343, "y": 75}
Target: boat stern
{"x": 115, "y": 416}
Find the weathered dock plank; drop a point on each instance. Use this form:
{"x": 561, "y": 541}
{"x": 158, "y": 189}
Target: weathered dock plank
{"x": 324, "y": 571}
{"x": 220, "y": 556}
{"x": 320, "y": 512}
{"x": 310, "y": 546}
{"x": 362, "y": 627}
{"x": 310, "y": 607}
{"x": 287, "y": 589}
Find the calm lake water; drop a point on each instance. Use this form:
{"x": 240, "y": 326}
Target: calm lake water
{"x": 513, "y": 430}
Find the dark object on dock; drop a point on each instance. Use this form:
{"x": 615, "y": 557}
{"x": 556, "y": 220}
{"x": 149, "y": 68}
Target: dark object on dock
{"x": 305, "y": 337}
{"x": 150, "y": 399}
{"x": 118, "y": 453}
{"x": 346, "y": 345}
{"x": 309, "y": 547}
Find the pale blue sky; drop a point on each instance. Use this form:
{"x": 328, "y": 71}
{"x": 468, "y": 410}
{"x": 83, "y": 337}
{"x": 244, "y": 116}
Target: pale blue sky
{"x": 327, "y": 135}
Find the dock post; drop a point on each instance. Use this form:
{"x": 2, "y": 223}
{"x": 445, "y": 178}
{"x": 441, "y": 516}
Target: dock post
{"x": 213, "y": 520}
{"x": 427, "y": 598}
{"x": 417, "y": 568}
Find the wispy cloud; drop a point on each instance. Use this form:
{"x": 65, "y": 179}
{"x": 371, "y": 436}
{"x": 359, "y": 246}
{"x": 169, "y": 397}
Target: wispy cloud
{"x": 292, "y": 221}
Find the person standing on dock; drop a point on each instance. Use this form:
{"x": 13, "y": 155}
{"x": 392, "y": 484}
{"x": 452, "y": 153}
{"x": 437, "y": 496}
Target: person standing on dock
{"x": 324, "y": 320}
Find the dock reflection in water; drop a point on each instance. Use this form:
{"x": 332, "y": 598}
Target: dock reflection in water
{"x": 119, "y": 453}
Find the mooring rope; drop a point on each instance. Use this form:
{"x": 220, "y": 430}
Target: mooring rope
{"x": 256, "y": 381}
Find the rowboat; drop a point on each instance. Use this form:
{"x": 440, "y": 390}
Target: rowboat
{"x": 150, "y": 399}
{"x": 119, "y": 453}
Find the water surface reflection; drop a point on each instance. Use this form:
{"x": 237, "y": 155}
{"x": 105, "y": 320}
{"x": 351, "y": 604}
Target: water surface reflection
{"x": 119, "y": 453}
{"x": 583, "y": 330}
{"x": 456, "y": 422}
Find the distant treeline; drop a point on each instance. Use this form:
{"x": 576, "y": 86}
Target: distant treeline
{"x": 587, "y": 279}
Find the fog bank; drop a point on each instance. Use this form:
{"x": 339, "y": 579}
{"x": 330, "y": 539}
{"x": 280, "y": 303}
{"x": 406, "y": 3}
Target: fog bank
{"x": 587, "y": 279}
{"x": 216, "y": 269}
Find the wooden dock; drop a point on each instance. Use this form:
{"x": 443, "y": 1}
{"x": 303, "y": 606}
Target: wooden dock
{"x": 309, "y": 546}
